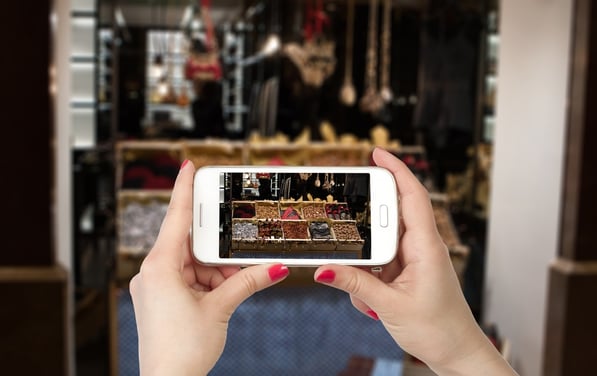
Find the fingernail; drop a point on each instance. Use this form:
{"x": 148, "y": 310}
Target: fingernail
{"x": 326, "y": 276}
{"x": 373, "y": 315}
{"x": 184, "y": 163}
{"x": 277, "y": 272}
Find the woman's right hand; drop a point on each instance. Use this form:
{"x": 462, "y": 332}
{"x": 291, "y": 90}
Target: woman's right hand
{"x": 418, "y": 296}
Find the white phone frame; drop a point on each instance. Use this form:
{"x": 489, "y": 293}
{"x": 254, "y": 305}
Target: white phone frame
{"x": 205, "y": 232}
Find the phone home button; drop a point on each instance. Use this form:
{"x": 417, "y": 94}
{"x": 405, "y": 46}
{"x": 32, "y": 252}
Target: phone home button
{"x": 383, "y": 215}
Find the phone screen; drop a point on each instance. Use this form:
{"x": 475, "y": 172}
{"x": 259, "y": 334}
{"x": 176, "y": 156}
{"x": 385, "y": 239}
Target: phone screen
{"x": 301, "y": 215}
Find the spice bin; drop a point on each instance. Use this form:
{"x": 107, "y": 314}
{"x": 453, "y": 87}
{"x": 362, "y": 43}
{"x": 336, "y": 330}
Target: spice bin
{"x": 347, "y": 236}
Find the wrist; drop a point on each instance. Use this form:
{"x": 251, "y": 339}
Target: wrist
{"x": 167, "y": 368}
{"x": 168, "y": 371}
{"x": 477, "y": 355}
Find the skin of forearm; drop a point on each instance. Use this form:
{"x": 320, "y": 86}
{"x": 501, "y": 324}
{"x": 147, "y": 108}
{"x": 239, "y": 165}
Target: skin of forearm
{"x": 482, "y": 358}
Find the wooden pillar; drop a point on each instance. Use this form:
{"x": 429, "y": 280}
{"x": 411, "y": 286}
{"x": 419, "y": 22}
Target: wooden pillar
{"x": 570, "y": 342}
{"x": 33, "y": 310}
{"x": 34, "y": 321}
{"x": 26, "y": 135}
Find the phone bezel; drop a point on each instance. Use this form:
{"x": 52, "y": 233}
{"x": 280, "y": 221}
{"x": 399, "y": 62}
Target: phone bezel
{"x": 206, "y": 199}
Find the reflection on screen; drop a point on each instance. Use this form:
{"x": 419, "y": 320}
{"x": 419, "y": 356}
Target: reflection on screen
{"x": 295, "y": 215}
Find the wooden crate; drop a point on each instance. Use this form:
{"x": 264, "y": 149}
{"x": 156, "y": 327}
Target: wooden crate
{"x": 142, "y": 197}
{"x": 130, "y": 151}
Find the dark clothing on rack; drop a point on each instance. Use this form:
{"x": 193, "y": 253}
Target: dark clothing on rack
{"x": 446, "y": 97}
{"x": 263, "y": 108}
{"x": 207, "y": 112}
{"x": 356, "y": 192}
{"x": 445, "y": 112}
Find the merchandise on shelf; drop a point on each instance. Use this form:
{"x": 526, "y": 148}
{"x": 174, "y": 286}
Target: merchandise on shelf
{"x": 156, "y": 173}
{"x": 140, "y": 224}
{"x": 301, "y": 227}
{"x": 346, "y": 231}
{"x": 243, "y": 209}
{"x": 320, "y": 230}
{"x": 314, "y": 210}
{"x": 295, "y": 230}
{"x": 244, "y": 230}
{"x": 147, "y": 165}
{"x": 289, "y": 212}
{"x": 339, "y": 211}
{"x": 267, "y": 210}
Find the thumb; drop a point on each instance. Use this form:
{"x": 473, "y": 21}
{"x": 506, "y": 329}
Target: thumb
{"x": 246, "y": 282}
{"x": 365, "y": 289}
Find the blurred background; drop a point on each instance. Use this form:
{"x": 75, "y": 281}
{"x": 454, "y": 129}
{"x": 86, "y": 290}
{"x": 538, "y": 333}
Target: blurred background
{"x": 488, "y": 102}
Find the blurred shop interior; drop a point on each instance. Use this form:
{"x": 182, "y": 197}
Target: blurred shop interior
{"x": 300, "y": 82}
{"x": 138, "y": 86}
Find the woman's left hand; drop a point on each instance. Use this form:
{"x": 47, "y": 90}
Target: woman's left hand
{"x": 182, "y": 308}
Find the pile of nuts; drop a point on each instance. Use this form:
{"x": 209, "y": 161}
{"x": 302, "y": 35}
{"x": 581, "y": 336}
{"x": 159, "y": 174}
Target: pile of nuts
{"x": 295, "y": 230}
{"x": 313, "y": 211}
{"x": 266, "y": 211}
{"x": 346, "y": 231}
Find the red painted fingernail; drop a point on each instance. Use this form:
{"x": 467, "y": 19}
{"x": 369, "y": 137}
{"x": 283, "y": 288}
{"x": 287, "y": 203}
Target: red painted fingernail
{"x": 327, "y": 276}
{"x": 277, "y": 272}
{"x": 184, "y": 163}
{"x": 373, "y": 315}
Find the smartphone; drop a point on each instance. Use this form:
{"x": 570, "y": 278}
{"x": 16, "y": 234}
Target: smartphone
{"x": 300, "y": 216}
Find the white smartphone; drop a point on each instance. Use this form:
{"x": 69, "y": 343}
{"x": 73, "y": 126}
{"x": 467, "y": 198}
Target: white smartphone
{"x": 300, "y": 216}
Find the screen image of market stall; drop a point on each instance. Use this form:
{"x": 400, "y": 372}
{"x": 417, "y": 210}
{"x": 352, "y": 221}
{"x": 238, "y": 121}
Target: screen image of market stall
{"x": 295, "y": 215}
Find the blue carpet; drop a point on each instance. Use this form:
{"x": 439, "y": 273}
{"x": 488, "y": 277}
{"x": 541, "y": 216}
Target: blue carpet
{"x": 282, "y": 330}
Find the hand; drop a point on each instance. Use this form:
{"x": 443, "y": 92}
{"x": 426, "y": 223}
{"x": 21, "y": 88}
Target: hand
{"x": 182, "y": 308}
{"x": 417, "y": 296}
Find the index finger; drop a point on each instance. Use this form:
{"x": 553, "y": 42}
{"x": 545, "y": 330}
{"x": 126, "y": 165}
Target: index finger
{"x": 174, "y": 232}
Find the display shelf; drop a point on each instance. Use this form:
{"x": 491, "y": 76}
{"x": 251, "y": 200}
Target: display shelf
{"x": 129, "y": 257}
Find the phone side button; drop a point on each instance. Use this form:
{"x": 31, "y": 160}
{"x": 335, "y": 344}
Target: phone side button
{"x": 383, "y": 215}
{"x": 200, "y": 215}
